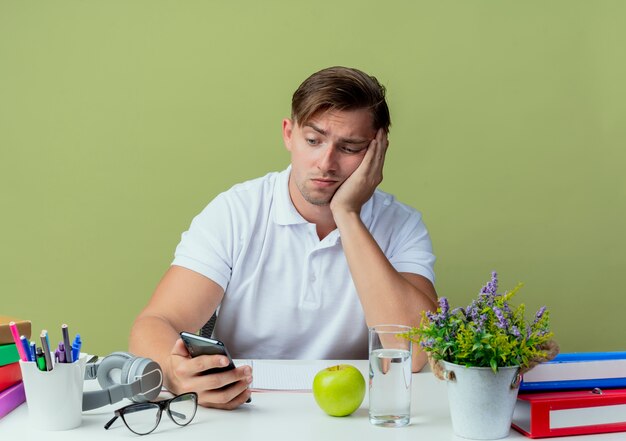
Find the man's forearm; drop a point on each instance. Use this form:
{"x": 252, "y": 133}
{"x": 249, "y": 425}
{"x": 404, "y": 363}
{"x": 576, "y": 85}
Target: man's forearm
{"x": 153, "y": 337}
{"x": 386, "y": 296}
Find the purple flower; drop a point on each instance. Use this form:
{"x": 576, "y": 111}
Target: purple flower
{"x": 491, "y": 288}
{"x": 539, "y": 314}
{"x": 515, "y": 331}
{"x": 458, "y": 310}
{"x": 472, "y": 311}
{"x": 443, "y": 304}
{"x": 480, "y": 323}
{"x": 428, "y": 343}
{"x": 494, "y": 281}
{"x": 502, "y": 321}
{"x": 506, "y": 308}
{"x": 441, "y": 317}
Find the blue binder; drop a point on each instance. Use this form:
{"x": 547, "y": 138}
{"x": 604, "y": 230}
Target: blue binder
{"x": 584, "y": 370}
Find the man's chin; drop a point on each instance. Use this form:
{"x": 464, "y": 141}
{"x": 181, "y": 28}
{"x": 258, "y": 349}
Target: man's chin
{"x": 319, "y": 201}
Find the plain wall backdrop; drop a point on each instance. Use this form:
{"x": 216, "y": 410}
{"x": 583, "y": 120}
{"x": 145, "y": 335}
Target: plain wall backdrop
{"x": 121, "y": 119}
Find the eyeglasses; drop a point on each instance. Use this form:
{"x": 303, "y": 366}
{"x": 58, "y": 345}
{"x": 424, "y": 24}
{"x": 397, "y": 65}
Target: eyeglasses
{"x": 143, "y": 418}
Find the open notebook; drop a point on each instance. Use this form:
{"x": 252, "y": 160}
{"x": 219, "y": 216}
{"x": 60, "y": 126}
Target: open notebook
{"x": 274, "y": 375}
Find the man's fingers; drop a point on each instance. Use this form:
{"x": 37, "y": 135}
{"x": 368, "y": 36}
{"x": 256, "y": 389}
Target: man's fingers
{"x": 227, "y": 398}
{"x": 201, "y": 363}
{"x": 201, "y": 383}
{"x": 382, "y": 142}
{"x": 374, "y": 158}
{"x": 222, "y": 379}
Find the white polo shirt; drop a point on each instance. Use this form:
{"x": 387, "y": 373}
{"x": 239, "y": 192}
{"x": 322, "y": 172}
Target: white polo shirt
{"x": 288, "y": 295}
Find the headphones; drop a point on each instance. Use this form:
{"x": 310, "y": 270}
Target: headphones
{"x": 122, "y": 375}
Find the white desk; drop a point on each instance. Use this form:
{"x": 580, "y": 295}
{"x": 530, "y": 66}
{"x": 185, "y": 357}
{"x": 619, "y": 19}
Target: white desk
{"x": 276, "y": 416}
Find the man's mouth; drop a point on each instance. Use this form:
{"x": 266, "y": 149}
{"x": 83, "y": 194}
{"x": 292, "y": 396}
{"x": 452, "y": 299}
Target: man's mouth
{"x": 322, "y": 182}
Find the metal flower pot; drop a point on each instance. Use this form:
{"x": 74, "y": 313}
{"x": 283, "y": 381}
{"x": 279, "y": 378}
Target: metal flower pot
{"x": 481, "y": 401}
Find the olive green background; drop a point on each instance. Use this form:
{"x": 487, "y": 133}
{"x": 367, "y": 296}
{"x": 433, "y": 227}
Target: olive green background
{"x": 120, "y": 120}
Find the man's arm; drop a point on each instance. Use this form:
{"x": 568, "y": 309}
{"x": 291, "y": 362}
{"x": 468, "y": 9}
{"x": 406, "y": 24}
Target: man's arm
{"x": 183, "y": 301}
{"x": 387, "y": 296}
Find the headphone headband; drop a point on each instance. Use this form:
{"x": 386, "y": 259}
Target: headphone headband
{"x": 140, "y": 379}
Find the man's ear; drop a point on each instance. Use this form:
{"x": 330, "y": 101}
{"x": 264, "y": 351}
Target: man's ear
{"x": 287, "y": 132}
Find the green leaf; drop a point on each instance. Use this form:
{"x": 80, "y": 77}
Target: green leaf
{"x": 494, "y": 365}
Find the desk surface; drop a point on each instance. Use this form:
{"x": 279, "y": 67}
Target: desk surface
{"x": 277, "y": 416}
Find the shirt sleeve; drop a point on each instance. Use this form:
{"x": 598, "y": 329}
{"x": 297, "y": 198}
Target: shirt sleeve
{"x": 207, "y": 247}
{"x": 412, "y": 250}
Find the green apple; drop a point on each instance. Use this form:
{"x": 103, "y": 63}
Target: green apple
{"x": 339, "y": 390}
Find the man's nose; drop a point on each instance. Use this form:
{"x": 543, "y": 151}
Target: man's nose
{"x": 328, "y": 159}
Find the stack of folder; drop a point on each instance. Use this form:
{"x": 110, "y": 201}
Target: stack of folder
{"x": 11, "y": 386}
{"x": 574, "y": 394}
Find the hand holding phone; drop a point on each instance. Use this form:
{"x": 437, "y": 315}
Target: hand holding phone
{"x": 197, "y": 345}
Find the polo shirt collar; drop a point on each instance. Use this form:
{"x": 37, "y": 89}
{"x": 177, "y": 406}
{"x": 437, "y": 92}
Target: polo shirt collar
{"x": 285, "y": 212}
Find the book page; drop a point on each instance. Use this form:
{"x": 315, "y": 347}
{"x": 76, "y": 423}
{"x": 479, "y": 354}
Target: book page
{"x": 582, "y": 370}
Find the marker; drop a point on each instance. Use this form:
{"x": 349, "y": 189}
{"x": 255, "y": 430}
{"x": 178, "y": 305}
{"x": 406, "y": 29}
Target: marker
{"x": 61, "y": 354}
{"x": 26, "y": 346}
{"x": 41, "y": 359}
{"x": 18, "y": 343}
{"x": 46, "y": 350}
{"x": 76, "y": 347}
{"x": 33, "y": 351}
{"x": 66, "y": 343}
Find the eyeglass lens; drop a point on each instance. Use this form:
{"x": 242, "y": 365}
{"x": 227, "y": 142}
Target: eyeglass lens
{"x": 143, "y": 418}
{"x": 182, "y": 409}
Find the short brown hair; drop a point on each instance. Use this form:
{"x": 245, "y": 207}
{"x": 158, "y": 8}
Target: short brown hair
{"x": 340, "y": 88}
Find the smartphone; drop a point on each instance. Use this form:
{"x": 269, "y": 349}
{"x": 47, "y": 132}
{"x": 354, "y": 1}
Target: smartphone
{"x": 197, "y": 345}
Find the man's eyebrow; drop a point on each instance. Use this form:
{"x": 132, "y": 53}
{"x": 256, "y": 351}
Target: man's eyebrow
{"x": 343, "y": 140}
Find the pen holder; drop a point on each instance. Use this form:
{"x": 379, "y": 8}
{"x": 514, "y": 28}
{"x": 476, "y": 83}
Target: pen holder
{"x": 54, "y": 398}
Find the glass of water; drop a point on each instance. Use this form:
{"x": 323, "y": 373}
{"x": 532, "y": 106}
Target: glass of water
{"x": 390, "y": 376}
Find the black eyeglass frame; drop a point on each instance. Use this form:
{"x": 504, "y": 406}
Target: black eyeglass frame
{"x": 163, "y": 405}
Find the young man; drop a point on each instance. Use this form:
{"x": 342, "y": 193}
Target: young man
{"x": 299, "y": 262}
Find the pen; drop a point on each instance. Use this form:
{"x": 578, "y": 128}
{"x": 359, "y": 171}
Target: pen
{"x": 46, "y": 350}
{"x": 16, "y": 339}
{"x": 76, "y": 347}
{"x": 41, "y": 360}
{"x": 66, "y": 343}
{"x": 33, "y": 351}
{"x": 26, "y": 346}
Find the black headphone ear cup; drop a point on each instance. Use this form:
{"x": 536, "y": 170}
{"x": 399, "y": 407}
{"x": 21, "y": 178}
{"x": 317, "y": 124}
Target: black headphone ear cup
{"x": 149, "y": 373}
{"x": 107, "y": 375}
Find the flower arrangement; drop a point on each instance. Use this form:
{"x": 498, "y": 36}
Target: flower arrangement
{"x": 488, "y": 333}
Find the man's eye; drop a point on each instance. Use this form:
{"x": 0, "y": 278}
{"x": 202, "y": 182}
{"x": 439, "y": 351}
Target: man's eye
{"x": 350, "y": 150}
{"x": 311, "y": 141}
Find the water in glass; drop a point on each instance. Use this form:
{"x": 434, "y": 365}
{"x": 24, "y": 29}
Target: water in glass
{"x": 390, "y": 387}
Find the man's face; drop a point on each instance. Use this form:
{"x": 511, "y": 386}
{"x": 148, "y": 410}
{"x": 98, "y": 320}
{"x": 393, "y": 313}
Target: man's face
{"x": 325, "y": 151}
